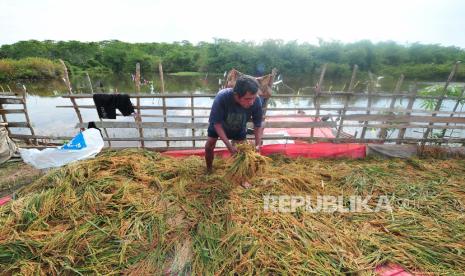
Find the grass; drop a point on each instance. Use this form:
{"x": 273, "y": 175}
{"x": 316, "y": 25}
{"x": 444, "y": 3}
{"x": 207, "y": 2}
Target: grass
{"x": 14, "y": 175}
{"x": 136, "y": 212}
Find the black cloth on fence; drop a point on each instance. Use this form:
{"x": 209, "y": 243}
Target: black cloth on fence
{"x": 106, "y": 105}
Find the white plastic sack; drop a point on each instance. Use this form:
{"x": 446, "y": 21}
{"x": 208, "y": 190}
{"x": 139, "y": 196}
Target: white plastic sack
{"x": 7, "y": 146}
{"x": 84, "y": 145}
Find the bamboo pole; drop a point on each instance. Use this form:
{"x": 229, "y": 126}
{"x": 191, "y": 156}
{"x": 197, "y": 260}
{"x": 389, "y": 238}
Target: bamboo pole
{"x": 346, "y": 101}
{"x": 316, "y": 99}
{"x": 383, "y": 131}
{"x": 160, "y": 71}
{"x": 369, "y": 103}
{"x": 70, "y": 92}
{"x": 352, "y": 79}
{"x": 165, "y": 120}
{"x": 26, "y": 114}
{"x": 411, "y": 101}
{"x": 90, "y": 83}
{"x": 454, "y": 110}
{"x": 138, "y": 118}
{"x": 285, "y": 96}
{"x": 193, "y": 119}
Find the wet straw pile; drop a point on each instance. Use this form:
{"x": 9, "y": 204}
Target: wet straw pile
{"x": 137, "y": 212}
{"x": 246, "y": 164}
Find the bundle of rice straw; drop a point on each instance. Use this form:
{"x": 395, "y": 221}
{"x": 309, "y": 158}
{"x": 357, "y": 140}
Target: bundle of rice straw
{"x": 246, "y": 164}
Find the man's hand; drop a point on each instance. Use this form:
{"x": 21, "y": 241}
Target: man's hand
{"x": 258, "y": 149}
{"x": 232, "y": 149}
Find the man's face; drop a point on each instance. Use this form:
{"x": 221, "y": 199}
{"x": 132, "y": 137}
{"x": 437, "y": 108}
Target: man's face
{"x": 247, "y": 100}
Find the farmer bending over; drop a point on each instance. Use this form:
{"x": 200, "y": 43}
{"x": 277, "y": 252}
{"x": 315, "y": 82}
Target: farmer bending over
{"x": 231, "y": 110}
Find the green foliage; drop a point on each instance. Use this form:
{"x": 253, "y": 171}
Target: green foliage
{"x": 29, "y": 68}
{"x": 437, "y": 90}
{"x": 431, "y": 72}
{"x": 415, "y": 61}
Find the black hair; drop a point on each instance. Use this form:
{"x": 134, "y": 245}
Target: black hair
{"x": 245, "y": 84}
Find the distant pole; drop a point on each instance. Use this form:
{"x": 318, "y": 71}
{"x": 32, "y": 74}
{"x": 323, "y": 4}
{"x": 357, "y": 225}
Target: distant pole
{"x": 66, "y": 77}
{"x": 137, "y": 80}
{"x": 90, "y": 83}
{"x": 352, "y": 80}
{"x": 160, "y": 70}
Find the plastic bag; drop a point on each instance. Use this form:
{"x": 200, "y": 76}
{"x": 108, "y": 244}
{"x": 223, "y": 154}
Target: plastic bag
{"x": 83, "y": 146}
{"x": 7, "y": 146}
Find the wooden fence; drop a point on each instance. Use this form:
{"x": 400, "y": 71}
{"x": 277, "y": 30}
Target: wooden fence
{"x": 339, "y": 118}
{"x": 17, "y": 105}
{"x": 391, "y": 124}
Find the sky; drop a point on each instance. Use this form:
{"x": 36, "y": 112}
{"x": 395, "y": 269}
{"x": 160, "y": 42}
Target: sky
{"x": 403, "y": 21}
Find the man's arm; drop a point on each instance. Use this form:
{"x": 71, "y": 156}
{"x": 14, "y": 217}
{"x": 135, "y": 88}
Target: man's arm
{"x": 217, "y": 115}
{"x": 258, "y": 131}
{"x": 220, "y": 131}
{"x": 257, "y": 118}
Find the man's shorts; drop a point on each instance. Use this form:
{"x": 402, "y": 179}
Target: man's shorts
{"x": 235, "y": 136}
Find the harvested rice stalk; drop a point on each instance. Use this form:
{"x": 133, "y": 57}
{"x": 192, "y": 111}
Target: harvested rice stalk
{"x": 135, "y": 212}
{"x": 246, "y": 164}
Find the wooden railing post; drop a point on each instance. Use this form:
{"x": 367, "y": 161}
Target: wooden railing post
{"x": 316, "y": 99}
{"x": 346, "y": 101}
{"x": 383, "y": 131}
{"x": 369, "y": 103}
{"x": 352, "y": 79}
{"x": 162, "y": 81}
{"x": 138, "y": 118}
{"x": 192, "y": 120}
{"x": 411, "y": 101}
{"x": 26, "y": 114}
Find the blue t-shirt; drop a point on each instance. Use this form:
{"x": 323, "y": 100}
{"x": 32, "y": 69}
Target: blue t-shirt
{"x": 232, "y": 116}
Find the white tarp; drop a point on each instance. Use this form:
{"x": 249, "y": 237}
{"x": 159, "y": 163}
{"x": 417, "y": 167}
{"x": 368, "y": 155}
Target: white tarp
{"x": 84, "y": 145}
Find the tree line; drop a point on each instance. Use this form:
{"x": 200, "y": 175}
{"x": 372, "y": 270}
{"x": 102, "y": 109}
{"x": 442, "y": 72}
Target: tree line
{"x": 39, "y": 59}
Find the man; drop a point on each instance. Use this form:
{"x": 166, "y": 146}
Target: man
{"x": 231, "y": 110}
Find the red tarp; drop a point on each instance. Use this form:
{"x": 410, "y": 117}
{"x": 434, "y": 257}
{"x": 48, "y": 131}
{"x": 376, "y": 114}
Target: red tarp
{"x": 5, "y": 200}
{"x": 392, "y": 269}
{"x": 317, "y": 150}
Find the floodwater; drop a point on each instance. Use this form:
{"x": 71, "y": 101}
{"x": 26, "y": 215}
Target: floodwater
{"x": 43, "y": 97}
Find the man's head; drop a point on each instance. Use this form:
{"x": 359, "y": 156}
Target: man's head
{"x": 245, "y": 91}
